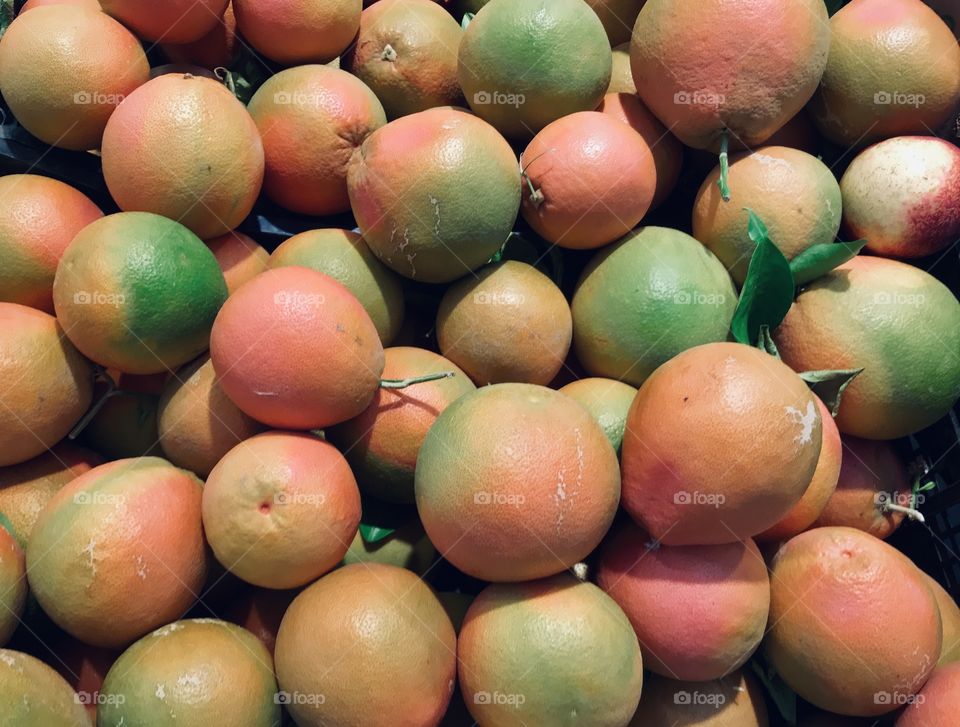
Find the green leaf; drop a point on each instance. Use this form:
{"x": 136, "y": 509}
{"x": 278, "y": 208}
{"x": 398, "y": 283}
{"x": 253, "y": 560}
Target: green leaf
{"x": 767, "y": 292}
{"x": 467, "y": 18}
{"x": 834, "y": 5}
{"x": 781, "y": 695}
{"x": 724, "y": 181}
{"x": 766, "y": 343}
{"x": 374, "y": 533}
{"x": 830, "y": 385}
{"x": 820, "y": 259}
{"x": 8, "y": 526}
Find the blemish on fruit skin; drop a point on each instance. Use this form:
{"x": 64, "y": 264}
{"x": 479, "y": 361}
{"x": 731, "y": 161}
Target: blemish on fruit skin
{"x": 562, "y": 498}
{"x": 161, "y": 692}
{"x": 806, "y": 421}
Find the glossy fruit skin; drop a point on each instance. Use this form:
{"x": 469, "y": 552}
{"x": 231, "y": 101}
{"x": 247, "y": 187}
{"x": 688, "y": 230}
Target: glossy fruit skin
{"x": 736, "y": 699}
{"x": 913, "y": 320}
{"x": 713, "y": 598}
{"x": 54, "y": 383}
{"x": 42, "y": 216}
{"x": 312, "y": 119}
{"x": 382, "y": 443}
{"x": 507, "y": 323}
{"x": 894, "y": 69}
{"x": 460, "y": 207}
{"x": 240, "y": 258}
{"x": 688, "y": 75}
{"x": 381, "y": 619}
{"x": 523, "y": 64}
{"x": 63, "y": 71}
{"x": 205, "y": 671}
{"x": 138, "y": 292}
{"x": 738, "y": 399}
{"x": 34, "y": 694}
{"x": 516, "y": 482}
{"x": 592, "y": 180}
{"x": 655, "y": 281}
{"x": 269, "y": 337}
{"x": 510, "y": 627}
{"x": 211, "y": 169}
{"x": 294, "y": 32}
{"x": 174, "y": 21}
{"x": 833, "y": 590}
{"x": 794, "y": 193}
{"x": 898, "y": 195}
{"x": 607, "y": 400}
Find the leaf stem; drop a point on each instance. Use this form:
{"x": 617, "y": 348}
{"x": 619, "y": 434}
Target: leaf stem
{"x": 111, "y": 392}
{"x": 724, "y": 182}
{"x": 404, "y": 383}
{"x": 910, "y": 512}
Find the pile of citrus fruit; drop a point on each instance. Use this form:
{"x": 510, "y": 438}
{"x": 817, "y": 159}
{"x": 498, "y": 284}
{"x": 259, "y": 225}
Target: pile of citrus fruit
{"x": 578, "y": 398}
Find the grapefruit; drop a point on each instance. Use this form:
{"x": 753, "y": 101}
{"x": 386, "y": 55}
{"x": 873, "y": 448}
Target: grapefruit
{"x": 280, "y": 509}
{"x": 821, "y": 488}
{"x": 516, "y": 662}
{"x": 34, "y": 694}
{"x": 894, "y": 69}
{"x": 433, "y": 220}
{"x": 646, "y": 298}
{"x": 294, "y": 32}
{"x": 138, "y": 292}
{"x": 197, "y": 671}
{"x": 686, "y": 490}
{"x": 621, "y": 76}
{"x": 260, "y": 611}
{"x": 834, "y": 593}
{"x": 699, "y": 610}
{"x": 345, "y": 257}
{"x": 270, "y": 336}
{"x": 13, "y": 583}
{"x": 184, "y": 147}
{"x": 173, "y": 21}
{"x": 736, "y": 699}
{"x": 523, "y": 63}
{"x": 119, "y": 551}
{"x": 871, "y": 475}
{"x": 406, "y": 52}
{"x": 607, "y": 400}
{"x": 937, "y": 703}
{"x": 312, "y": 119}
{"x": 618, "y": 17}
{"x": 64, "y": 69}
{"x": 382, "y": 442}
{"x": 42, "y": 217}
{"x": 701, "y": 83}
{"x": 950, "y": 618}
{"x": 910, "y": 358}
{"x": 379, "y": 621}
{"x": 794, "y": 193}
{"x": 508, "y": 322}
{"x": 197, "y": 423}
{"x": 30, "y": 4}
{"x": 515, "y": 482}
{"x": 589, "y": 180}
{"x": 219, "y": 47}
{"x": 240, "y": 258}
{"x": 666, "y": 148}
{"x": 899, "y": 196}
{"x": 48, "y": 384}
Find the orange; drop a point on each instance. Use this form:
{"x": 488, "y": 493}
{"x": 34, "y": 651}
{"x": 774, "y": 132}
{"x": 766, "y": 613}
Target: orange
{"x": 937, "y": 703}
{"x": 406, "y": 52}
{"x": 735, "y": 700}
{"x": 270, "y": 336}
{"x": 821, "y": 488}
{"x": 43, "y": 216}
{"x": 184, "y": 147}
{"x": 607, "y": 400}
{"x": 219, "y": 47}
{"x": 950, "y": 618}
{"x": 13, "y": 583}
{"x": 516, "y": 662}
{"x": 47, "y": 385}
{"x": 618, "y": 17}
{"x": 382, "y": 443}
{"x": 871, "y": 474}
{"x": 280, "y": 509}
{"x": 119, "y": 551}
{"x": 240, "y": 257}
{"x": 379, "y": 621}
{"x": 173, "y": 21}
{"x": 64, "y": 69}
{"x": 590, "y": 180}
{"x": 621, "y": 77}
{"x": 690, "y": 490}
{"x": 312, "y": 119}
{"x": 294, "y": 32}
{"x": 34, "y": 694}
{"x": 197, "y": 423}
{"x": 515, "y": 482}
{"x": 699, "y": 610}
{"x": 509, "y": 322}
{"x": 435, "y": 194}
{"x": 834, "y": 592}
{"x": 666, "y": 148}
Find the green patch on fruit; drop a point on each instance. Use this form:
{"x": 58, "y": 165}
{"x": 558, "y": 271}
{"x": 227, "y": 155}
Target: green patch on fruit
{"x": 830, "y": 385}
{"x": 820, "y": 259}
{"x": 8, "y": 526}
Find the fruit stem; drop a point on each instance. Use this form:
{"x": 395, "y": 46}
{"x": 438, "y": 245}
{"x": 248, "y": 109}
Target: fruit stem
{"x": 723, "y": 182}
{"x": 404, "y": 383}
{"x": 910, "y": 512}
{"x": 111, "y": 392}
